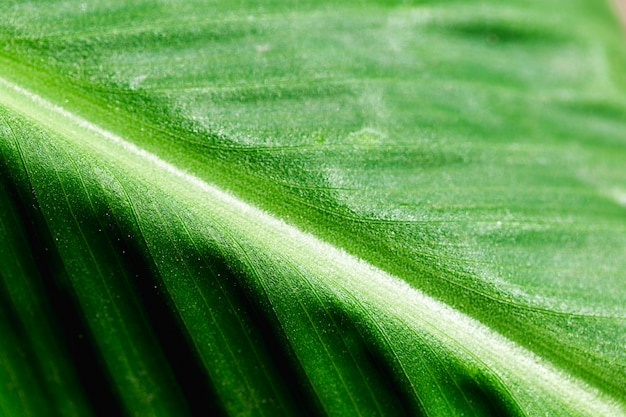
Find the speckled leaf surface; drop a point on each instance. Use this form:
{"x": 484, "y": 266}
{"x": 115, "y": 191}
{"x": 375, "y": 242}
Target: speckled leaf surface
{"x": 312, "y": 208}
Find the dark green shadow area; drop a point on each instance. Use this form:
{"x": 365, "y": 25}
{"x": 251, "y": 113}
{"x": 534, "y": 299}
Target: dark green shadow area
{"x": 54, "y": 316}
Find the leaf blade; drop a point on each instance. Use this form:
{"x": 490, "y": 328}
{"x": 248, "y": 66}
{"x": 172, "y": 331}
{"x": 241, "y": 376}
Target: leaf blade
{"x": 365, "y": 203}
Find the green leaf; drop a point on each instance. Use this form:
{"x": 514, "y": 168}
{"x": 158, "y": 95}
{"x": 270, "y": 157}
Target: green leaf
{"x": 312, "y": 208}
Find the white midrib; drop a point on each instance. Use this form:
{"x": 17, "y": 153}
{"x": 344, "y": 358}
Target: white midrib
{"x": 332, "y": 266}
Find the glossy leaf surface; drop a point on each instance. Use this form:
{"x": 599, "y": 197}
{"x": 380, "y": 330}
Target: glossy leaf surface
{"x": 312, "y": 208}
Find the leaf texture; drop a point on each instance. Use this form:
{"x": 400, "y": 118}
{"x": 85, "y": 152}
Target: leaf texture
{"x": 312, "y": 209}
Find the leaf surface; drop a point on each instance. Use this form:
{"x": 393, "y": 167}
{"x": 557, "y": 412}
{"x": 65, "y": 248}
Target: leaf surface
{"x": 265, "y": 209}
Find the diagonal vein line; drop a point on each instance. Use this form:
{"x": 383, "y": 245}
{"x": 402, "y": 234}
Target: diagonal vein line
{"x": 335, "y": 268}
